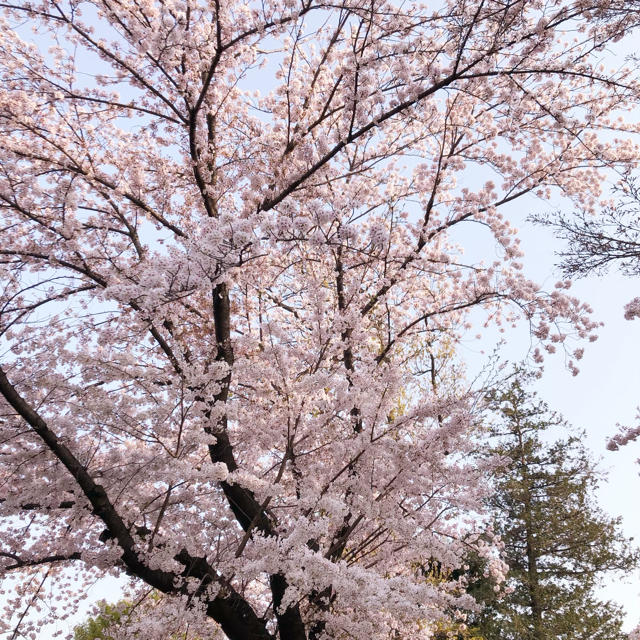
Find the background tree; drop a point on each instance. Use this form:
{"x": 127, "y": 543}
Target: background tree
{"x": 101, "y": 626}
{"x": 557, "y": 541}
{"x": 214, "y": 300}
{"x": 593, "y": 243}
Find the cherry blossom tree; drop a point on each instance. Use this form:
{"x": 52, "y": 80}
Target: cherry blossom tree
{"x": 228, "y": 245}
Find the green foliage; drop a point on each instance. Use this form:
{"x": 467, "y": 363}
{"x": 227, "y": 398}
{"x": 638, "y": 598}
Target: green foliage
{"x": 114, "y": 619}
{"x": 104, "y": 624}
{"x": 558, "y": 542}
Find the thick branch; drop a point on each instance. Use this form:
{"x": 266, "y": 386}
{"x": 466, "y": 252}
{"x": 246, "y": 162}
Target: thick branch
{"x": 229, "y": 609}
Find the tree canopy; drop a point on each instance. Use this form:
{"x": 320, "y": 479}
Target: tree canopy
{"x": 228, "y": 233}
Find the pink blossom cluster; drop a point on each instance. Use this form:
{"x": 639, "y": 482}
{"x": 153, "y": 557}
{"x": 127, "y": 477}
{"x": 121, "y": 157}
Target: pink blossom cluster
{"x": 624, "y": 436}
{"x": 632, "y": 309}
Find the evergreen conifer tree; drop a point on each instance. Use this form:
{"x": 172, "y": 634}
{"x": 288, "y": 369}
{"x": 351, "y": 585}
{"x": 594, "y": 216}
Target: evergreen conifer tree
{"x": 558, "y": 542}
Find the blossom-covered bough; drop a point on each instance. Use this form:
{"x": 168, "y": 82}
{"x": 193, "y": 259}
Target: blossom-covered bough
{"x": 225, "y": 257}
